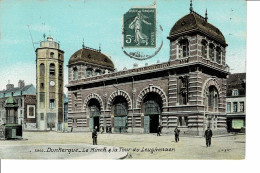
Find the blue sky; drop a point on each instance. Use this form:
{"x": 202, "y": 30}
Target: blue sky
{"x": 100, "y": 22}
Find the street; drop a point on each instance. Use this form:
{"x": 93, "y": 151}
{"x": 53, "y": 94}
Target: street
{"x": 52, "y": 145}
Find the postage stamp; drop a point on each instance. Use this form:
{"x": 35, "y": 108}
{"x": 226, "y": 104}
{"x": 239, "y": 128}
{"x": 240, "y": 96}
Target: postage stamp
{"x": 140, "y": 27}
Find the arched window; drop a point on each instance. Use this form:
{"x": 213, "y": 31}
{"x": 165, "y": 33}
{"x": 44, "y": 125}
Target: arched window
{"x": 152, "y": 107}
{"x": 120, "y": 106}
{"x": 42, "y": 69}
{"x": 94, "y": 110}
{"x": 211, "y": 52}
{"x": 204, "y": 49}
{"x": 218, "y": 55}
{"x": 52, "y": 69}
{"x": 97, "y": 72}
{"x": 213, "y": 97}
{"x": 89, "y": 72}
{"x": 184, "y": 46}
{"x": 75, "y": 73}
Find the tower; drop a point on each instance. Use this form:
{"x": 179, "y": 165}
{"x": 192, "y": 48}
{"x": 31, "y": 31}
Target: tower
{"x": 49, "y": 85}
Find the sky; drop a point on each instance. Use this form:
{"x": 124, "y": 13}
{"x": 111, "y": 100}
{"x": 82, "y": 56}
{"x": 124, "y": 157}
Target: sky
{"x": 99, "y": 22}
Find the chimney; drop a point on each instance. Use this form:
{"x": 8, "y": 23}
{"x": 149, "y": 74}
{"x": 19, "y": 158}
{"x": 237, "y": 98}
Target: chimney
{"x": 9, "y": 86}
{"x": 21, "y": 84}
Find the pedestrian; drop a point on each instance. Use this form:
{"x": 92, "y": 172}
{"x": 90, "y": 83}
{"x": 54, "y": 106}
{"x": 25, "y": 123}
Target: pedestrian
{"x": 102, "y": 129}
{"x": 159, "y": 130}
{"x": 94, "y": 136}
{"x": 177, "y": 134}
{"x": 208, "y": 134}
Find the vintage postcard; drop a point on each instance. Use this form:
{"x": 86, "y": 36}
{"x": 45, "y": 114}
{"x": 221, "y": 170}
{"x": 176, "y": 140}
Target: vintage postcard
{"x": 123, "y": 79}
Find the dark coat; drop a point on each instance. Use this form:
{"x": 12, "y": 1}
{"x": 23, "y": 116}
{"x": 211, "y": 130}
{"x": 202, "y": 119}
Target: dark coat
{"x": 177, "y": 132}
{"x": 94, "y": 133}
{"x": 208, "y": 134}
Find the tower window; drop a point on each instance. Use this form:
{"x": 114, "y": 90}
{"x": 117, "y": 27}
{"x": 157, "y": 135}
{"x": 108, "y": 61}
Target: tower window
{"x": 88, "y": 72}
{"x": 21, "y": 102}
{"x": 51, "y": 54}
{"x": 52, "y": 69}
{"x": 51, "y": 103}
{"x": 218, "y": 55}
{"x": 42, "y": 97}
{"x": 97, "y": 72}
{"x": 60, "y": 70}
{"x": 75, "y": 74}
{"x": 204, "y": 50}
{"x": 42, "y": 85}
{"x": 211, "y": 52}
{"x": 184, "y": 45}
{"x": 42, "y": 70}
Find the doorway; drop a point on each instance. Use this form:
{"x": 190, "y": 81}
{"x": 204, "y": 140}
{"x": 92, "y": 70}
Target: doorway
{"x": 96, "y": 123}
{"x": 154, "y": 123}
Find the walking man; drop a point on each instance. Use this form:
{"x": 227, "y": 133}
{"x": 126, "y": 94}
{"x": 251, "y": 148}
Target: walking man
{"x": 94, "y": 136}
{"x": 177, "y": 134}
{"x": 208, "y": 134}
{"x": 159, "y": 131}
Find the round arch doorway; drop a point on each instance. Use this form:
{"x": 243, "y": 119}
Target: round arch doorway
{"x": 94, "y": 114}
{"x": 120, "y": 111}
{"x": 152, "y": 106}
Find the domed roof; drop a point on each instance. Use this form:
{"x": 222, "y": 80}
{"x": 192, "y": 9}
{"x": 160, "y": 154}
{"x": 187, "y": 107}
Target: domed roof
{"x": 194, "y": 22}
{"x": 91, "y": 56}
{"x": 11, "y": 102}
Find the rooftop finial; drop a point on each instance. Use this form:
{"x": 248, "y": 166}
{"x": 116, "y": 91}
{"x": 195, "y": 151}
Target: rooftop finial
{"x": 83, "y": 45}
{"x": 191, "y": 9}
{"x": 206, "y": 15}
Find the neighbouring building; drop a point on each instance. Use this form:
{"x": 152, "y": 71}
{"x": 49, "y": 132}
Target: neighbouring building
{"x": 49, "y": 85}
{"x": 66, "y": 101}
{"x": 188, "y": 91}
{"x": 26, "y": 97}
{"x": 236, "y": 102}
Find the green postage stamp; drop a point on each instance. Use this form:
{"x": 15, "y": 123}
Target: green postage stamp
{"x": 139, "y": 28}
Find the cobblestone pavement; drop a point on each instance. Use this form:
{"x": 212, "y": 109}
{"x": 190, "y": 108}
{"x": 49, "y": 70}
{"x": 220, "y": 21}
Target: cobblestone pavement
{"x": 138, "y": 146}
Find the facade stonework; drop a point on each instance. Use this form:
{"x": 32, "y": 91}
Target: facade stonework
{"x": 187, "y": 92}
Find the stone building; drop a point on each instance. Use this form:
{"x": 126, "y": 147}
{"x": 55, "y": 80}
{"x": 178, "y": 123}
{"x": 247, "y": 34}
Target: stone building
{"x": 187, "y": 91}
{"x": 236, "y": 102}
{"x": 26, "y": 97}
{"x": 49, "y": 85}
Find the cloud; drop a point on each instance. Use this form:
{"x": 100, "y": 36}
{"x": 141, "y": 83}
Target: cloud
{"x": 41, "y": 28}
